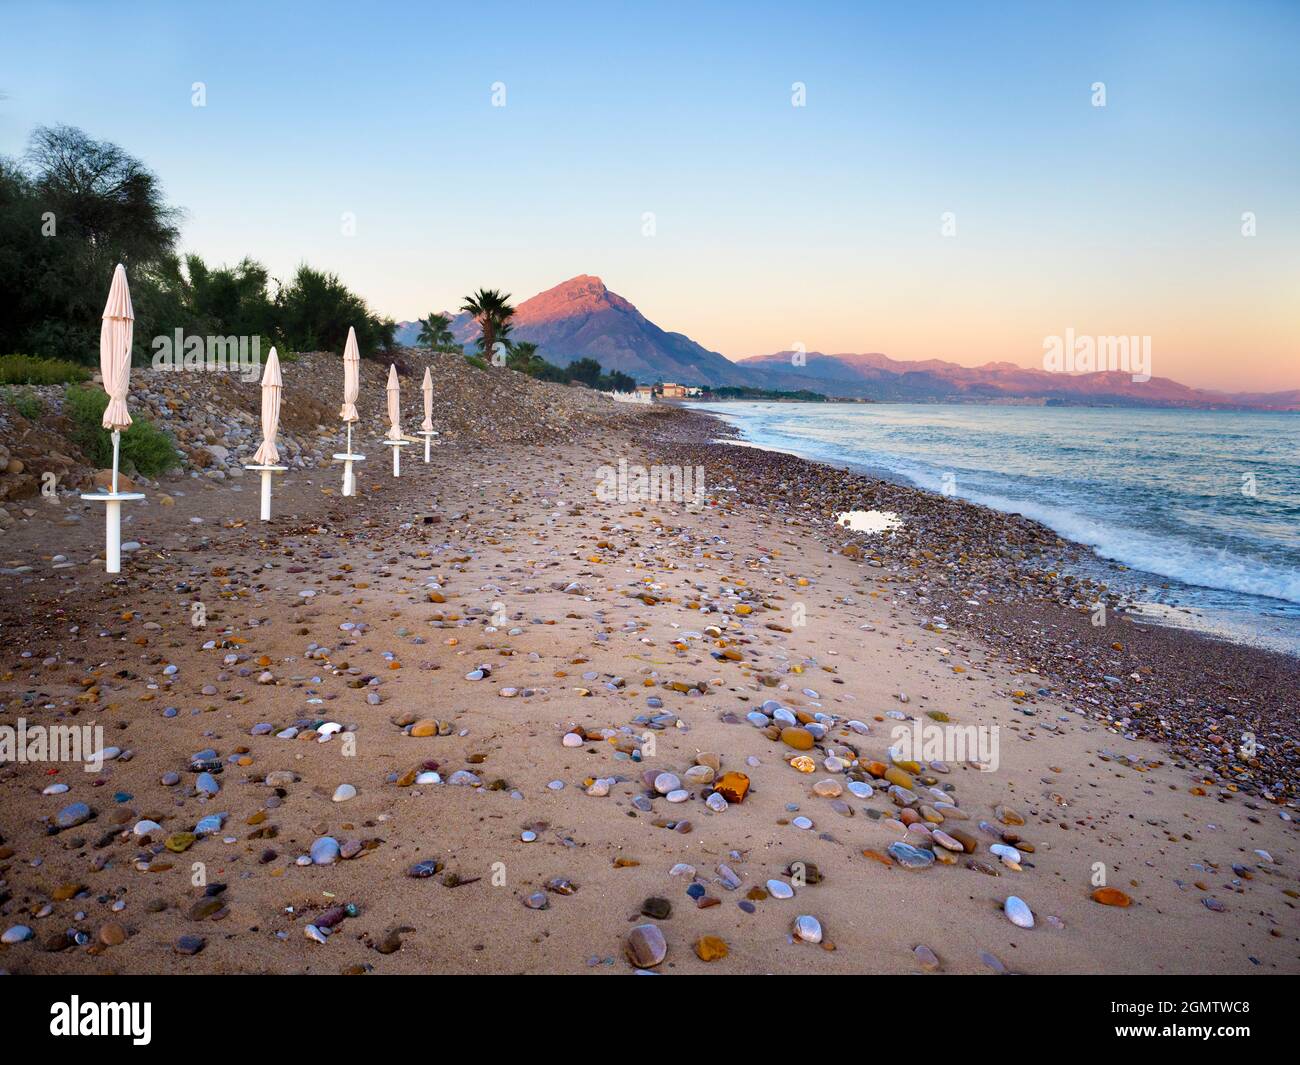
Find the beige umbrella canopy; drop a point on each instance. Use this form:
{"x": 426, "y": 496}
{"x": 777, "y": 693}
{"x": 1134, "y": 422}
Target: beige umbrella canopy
{"x": 394, "y": 390}
{"x": 351, "y": 377}
{"x": 115, "y": 351}
{"x": 272, "y": 384}
{"x": 427, "y": 389}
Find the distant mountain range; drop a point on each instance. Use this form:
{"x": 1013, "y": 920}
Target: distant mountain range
{"x": 582, "y": 318}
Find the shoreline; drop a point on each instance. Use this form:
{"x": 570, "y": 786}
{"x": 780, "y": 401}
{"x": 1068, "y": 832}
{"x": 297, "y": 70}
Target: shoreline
{"x": 1142, "y": 591}
{"x": 593, "y": 619}
{"x": 1264, "y": 683}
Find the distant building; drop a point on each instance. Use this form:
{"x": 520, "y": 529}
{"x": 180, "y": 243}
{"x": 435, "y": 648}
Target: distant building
{"x": 648, "y": 391}
{"x": 674, "y": 391}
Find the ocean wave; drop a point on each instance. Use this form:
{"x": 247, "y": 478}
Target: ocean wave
{"x": 1164, "y": 556}
{"x": 1112, "y": 538}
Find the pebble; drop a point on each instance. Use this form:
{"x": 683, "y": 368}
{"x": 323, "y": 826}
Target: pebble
{"x": 324, "y": 851}
{"x": 189, "y": 945}
{"x": 72, "y": 815}
{"x": 645, "y": 946}
{"x": 807, "y": 928}
{"x": 910, "y": 857}
{"x": 1018, "y": 912}
{"x": 667, "y": 782}
{"x": 656, "y": 908}
{"x": 710, "y": 948}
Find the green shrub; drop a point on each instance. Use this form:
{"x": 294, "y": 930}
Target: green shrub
{"x": 146, "y": 449}
{"x": 474, "y": 360}
{"x": 26, "y": 403}
{"x": 29, "y": 370}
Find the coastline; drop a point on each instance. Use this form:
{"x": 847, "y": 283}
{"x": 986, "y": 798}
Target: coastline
{"x": 1044, "y": 618}
{"x": 606, "y": 604}
{"x": 1144, "y": 587}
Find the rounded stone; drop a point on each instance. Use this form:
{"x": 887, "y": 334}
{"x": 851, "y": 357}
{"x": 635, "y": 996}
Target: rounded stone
{"x": 645, "y": 946}
{"x": 1018, "y": 912}
{"x": 808, "y": 929}
{"x": 666, "y": 782}
{"x": 798, "y": 738}
{"x": 324, "y": 851}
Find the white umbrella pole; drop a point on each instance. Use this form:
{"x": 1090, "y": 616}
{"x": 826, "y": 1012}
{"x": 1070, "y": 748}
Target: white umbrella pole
{"x": 113, "y": 534}
{"x": 397, "y": 462}
{"x": 117, "y": 444}
{"x": 266, "y": 495}
{"x": 426, "y": 449}
{"x": 348, "y": 484}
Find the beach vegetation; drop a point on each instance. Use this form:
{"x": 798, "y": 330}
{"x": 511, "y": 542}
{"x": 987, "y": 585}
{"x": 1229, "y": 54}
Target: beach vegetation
{"x": 32, "y": 370}
{"x": 25, "y": 402}
{"x": 145, "y": 448}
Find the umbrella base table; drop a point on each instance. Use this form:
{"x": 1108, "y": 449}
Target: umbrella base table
{"x": 349, "y": 478}
{"x": 112, "y": 524}
{"x": 397, "y": 446}
{"x": 428, "y": 435}
{"x": 266, "y": 472}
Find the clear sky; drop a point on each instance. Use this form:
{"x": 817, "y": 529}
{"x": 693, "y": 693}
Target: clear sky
{"x": 773, "y": 224}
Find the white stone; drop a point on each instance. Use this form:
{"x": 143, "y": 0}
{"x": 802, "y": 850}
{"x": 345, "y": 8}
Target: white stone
{"x": 807, "y": 928}
{"x": 1018, "y": 912}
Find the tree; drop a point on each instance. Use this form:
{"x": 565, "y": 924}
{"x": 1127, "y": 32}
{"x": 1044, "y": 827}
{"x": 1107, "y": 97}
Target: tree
{"x": 435, "y": 333}
{"x": 587, "y": 371}
{"x": 69, "y": 212}
{"x": 617, "y": 381}
{"x": 524, "y": 358}
{"x": 492, "y": 310}
{"x": 74, "y": 207}
{"x": 315, "y": 309}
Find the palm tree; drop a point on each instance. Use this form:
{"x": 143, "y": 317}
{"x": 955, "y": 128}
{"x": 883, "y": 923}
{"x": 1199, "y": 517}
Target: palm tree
{"x": 524, "y": 358}
{"x": 492, "y": 310}
{"x": 435, "y": 333}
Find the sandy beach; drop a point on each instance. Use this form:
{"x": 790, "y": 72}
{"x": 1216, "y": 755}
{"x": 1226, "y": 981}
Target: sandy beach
{"x": 495, "y": 602}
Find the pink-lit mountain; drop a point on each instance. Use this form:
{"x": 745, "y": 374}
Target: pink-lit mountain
{"x": 582, "y": 318}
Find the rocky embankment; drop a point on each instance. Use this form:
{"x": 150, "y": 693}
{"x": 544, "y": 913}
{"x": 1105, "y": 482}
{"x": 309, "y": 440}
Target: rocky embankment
{"x": 215, "y": 418}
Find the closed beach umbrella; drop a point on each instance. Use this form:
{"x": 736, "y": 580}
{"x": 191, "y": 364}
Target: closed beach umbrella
{"x": 394, "y": 404}
{"x": 115, "y": 351}
{"x": 351, "y": 377}
{"x": 427, "y": 388}
{"x": 272, "y": 383}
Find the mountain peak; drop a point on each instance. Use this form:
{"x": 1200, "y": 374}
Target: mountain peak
{"x": 578, "y": 296}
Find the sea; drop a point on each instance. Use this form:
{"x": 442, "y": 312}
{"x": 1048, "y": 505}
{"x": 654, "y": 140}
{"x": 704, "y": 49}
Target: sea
{"x": 1194, "y": 515}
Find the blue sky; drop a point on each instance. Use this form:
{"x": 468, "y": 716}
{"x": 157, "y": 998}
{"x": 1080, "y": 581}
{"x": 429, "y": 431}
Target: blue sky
{"x": 773, "y": 224}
